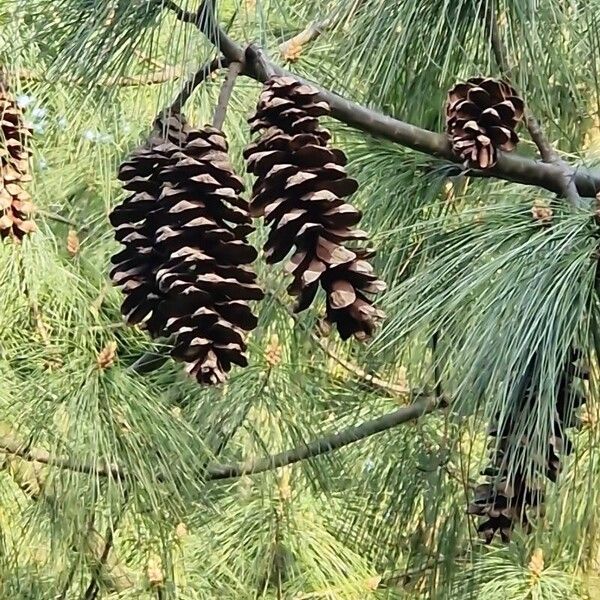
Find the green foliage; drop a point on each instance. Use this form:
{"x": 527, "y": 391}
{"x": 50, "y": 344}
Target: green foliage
{"x": 463, "y": 258}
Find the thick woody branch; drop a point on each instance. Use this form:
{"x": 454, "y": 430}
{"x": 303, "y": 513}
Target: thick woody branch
{"x": 216, "y": 471}
{"x": 327, "y": 443}
{"x": 510, "y": 167}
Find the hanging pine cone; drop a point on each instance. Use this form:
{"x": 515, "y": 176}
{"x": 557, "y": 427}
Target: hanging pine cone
{"x": 205, "y": 281}
{"x": 15, "y": 202}
{"x": 510, "y": 494}
{"x": 186, "y": 257}
{"x": 503, "y": 503}
{"x": 481, "y": 117}
{"x": 136, "y": 265}
{"x": 300, "y": 189}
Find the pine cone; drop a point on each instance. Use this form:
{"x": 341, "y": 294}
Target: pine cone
{"x": 184, "y": 267}
{"x": 299, "y": 190}
{"x": 508, "y": 495}
{"x": 15, "y": 202}
{"x": 136, "y": 265}
{"x": 503, "y": 503}
{"x": 481, "y": 117}
{"x": 205, "y": 282}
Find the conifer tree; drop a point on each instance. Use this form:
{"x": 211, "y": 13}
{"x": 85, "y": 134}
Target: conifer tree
{"x": 366, "y": 232}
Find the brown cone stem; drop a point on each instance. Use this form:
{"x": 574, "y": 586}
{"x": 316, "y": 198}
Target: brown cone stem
{"x": 234, "y": 70}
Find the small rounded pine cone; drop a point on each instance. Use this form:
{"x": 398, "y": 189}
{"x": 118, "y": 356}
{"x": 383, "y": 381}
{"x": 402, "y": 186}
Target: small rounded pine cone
{"x": 482, "y": 115}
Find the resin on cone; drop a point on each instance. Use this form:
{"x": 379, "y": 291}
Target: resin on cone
{"x": 15, "y": 202}
{"x": 187, "y": 257}
{"x": 481, "y": 118}
{"x": 300, "y": 191}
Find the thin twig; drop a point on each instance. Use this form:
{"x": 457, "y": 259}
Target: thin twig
{"x": 222, "y": 438}
{"x": 60, "y": 219}
{"x": 290, "y": 49}
{"x": 191, "y": 84}
{"x": 234, "y": 70}
{"x": 510, "y": 167}
{"x": 547, "y": 151}
{"x": 10, "y": 445}
{"x": 216, "y": 471}
{"x": 156, "y": 77}
{"x": 404, "y": 577}
{"x": 93, "y": 588}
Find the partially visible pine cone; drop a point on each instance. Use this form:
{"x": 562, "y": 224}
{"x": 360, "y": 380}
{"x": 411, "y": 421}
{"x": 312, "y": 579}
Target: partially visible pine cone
{"x": 300, "y": 189}
{"x": 481, "y": 118}
{"x": 503, "y": 502}
{"x": 15, "y": 202}
{"x": 511, "y": 492}
{"x": 136, "y": 265}
{"x": 185, "y": 265}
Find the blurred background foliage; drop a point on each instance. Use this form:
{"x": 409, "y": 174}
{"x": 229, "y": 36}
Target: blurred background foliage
{"x": 386, "y": 517}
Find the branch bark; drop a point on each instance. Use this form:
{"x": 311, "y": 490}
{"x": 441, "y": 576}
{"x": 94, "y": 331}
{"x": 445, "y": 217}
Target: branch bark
{"x": 203, "y": 73}
{"x": 328, "y": 443}
{"x": 290, "y": 49}
{"x": 510, "y": 167}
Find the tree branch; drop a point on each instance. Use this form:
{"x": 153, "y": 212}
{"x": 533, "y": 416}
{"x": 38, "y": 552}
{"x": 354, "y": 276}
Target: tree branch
{"x": 158, "y": 76}
{"x": 510, "y": 167}
{"x": 327, "y": 443}
{"x": 217, "y": 471}
{"x": 547, "y": 151}
{"x": 12, "y": 446}
{"x": 191, "y": 84}
{"x": 394, "y": 389}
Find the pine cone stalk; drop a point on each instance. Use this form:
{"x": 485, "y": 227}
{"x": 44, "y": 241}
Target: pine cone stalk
{"x": 300, "y": 191}
{"x": 481, "y": 117}
{"x": 185, "y": 268}
{"x": 15, "y": 202}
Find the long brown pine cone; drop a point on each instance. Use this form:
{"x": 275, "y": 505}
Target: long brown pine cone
{"x": 205, "y": 282}
{"x": 481, "y": 117}
{"x": 187, "y": 259}
{"x": 505, "y": 500}
{"x": 15, "y": 202}
{"x": 300, "y": 189}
